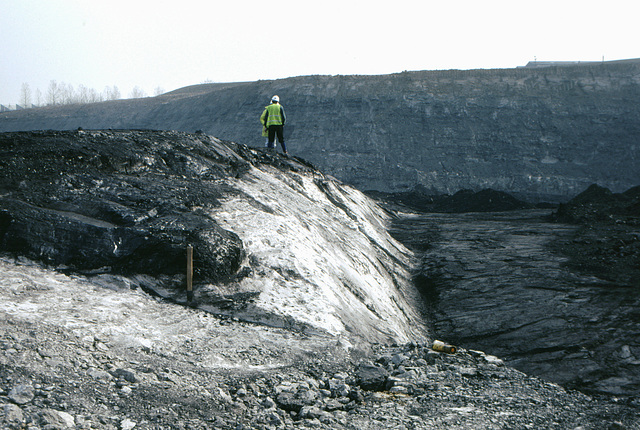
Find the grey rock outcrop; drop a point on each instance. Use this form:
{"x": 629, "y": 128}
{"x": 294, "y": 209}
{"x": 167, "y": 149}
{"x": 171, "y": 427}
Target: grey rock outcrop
{"x": 543, "y": 133}
{"x": 371, "y": 377}
{"x": 12, "y": 416}
{"x": 274, "y": 240}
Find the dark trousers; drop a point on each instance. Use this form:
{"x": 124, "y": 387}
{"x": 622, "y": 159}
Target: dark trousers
{"x": 276, "y": 130}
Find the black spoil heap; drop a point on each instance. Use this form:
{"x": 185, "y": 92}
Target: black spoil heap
{"x": 119, "y": 201}
{"x": 598, "y": 204}
{"x": 607, "y": 242}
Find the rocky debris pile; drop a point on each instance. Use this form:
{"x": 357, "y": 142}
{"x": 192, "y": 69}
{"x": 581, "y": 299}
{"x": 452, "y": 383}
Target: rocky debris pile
{"x": 52, "y": 380}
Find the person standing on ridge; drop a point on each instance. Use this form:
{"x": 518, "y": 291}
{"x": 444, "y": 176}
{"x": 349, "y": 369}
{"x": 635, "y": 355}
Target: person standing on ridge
{"x": 273, "y": 119}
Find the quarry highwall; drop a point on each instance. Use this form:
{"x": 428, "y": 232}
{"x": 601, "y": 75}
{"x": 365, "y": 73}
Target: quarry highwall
{"x": 541, "y": 133}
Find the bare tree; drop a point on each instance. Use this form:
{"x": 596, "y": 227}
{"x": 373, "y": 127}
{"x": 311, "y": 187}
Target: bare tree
{"x": 158, "y": 91}
{"x": 38, "y": 97}
{"x": 61, "y": 93}
{"x": 25, "y": 95}
{"x": 67, "y": 94}
{"x": 111, "y": 93}
{"x": 82, "y": 95}
{"x": 53, "y": 96}
{"x": 137, "y": 93}
{"x": 94, "y": 96}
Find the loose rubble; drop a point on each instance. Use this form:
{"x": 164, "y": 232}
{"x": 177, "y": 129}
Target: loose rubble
{"x": 51, "y": 379}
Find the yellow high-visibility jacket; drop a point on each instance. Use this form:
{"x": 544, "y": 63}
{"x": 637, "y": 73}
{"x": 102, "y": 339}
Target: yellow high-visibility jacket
{"x": 273, "y": 115}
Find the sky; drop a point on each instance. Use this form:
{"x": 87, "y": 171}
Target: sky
{"x": 165, "y": 45}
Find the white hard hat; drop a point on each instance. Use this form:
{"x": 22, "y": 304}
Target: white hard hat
{"x": 275, "y": 99}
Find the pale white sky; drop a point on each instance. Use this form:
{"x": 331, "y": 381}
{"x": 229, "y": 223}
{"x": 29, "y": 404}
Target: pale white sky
{"x": 171, "y": 44}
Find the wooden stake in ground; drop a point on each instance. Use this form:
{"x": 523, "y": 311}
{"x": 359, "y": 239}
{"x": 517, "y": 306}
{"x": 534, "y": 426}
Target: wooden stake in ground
{"x": 189, "y": 273}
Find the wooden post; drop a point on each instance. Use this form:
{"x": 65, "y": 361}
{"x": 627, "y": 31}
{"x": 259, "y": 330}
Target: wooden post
{"x": 189, "y": 273}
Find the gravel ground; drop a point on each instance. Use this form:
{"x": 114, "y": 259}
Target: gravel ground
{"x": 93, "y": 353}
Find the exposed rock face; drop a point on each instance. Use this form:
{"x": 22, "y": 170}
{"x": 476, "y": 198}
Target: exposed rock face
{"x": 274, "y": 240}
{"x": 544, "y": 133}
{"x": 555, "y": 300}
{"x": 126, "y": 201}
{"x": 75, "y": 354}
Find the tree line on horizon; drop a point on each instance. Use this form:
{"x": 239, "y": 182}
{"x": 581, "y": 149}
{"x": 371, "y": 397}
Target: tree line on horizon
{"x": 66, "y": 94}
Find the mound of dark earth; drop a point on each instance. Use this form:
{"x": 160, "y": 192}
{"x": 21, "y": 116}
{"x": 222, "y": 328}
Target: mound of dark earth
{"x": 421, "y": 199}
{"x": 607, "y": 242}
{"x": 599, "y": 205}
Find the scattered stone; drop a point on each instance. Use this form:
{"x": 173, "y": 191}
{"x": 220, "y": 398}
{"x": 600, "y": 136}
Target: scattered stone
{"x": 468, "y": 371}
{"x": 371, "y": 377}
{"x": 99, "y": 374}
{"x": 21, "y": 394}
{"x": 126, "y": 374}
{"x": 47, "y": 353}
{"x": 127, "y": 424}
{"x": 13, "y": 416}
{"x": 311, "y": 412}
{"x": 416, "y": 394}
{"x": 169, "y": 377}
{"x": 101, "y": 347}
{"x": 224, "y": 396}
{"x": 295, "y": 399}
{"x": 399, "y": 389}
{"x": 398, "y": 359}
{"x": 268, "y": 403}
{"x": 272, "y": 418}
{"x": 338, "y": 387}
{"x": 56, "y": 420}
